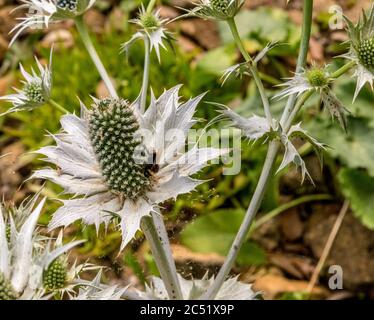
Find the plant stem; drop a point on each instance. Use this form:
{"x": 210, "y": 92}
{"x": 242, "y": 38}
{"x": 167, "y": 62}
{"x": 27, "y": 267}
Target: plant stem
{"x": 244, "y": 228}
{"x": 82, "y": 30}
{"x": 151, "y": 5}
{"x": 143, "y": 94}
{"x": 155, "y": 232}
{"x": 268, "y": 164}
{"x": 327, "y": 248}
{"x": 303, "y": 52}
{"x": 342, "y": 70}
{"x": 253, "y": 69}
{"x": 57, "y": 106}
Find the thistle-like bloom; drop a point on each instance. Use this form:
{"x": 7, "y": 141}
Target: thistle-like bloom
{"x": 122, "y": 163}
{"x": 361, "y": 40}
{"x": 36, "y": 89}
{"x": 232, "y": 289}
{"x": 217, "y": 9}
{"x": 26, "y": 265}
{"x": 40, "y": 13}
{"x": 153, "y": 27}
{"x": 316, "y": 79}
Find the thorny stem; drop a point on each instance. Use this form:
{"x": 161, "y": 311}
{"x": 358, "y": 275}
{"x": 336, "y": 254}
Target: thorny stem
{"x": 82, "y": 30}
{"x": 155, "y": 232}
{"x": 253, "y": 69}
{"x": 269, "y": 161}
{"x": 145, "y": 84}
{"x": 57, "y": 106}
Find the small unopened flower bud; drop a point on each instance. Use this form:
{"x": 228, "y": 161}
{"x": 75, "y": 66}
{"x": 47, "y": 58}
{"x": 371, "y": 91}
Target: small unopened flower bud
{"x": 149, "y": 21}
{"x": 317, "y": 77}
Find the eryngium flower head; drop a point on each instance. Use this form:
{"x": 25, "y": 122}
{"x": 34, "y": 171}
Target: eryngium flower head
{"x": 122, "y": 163}
{"x": 314, "y": 78}
{"x": 23, "y": 254}
{"x": 361, "y": 39}
{"x": 40, "y": 13}
{"x": 153, "y": 27}
{"x": 217, "y": 9}
{"x": 231, "y": 289}
{"x": 36, "y": 89}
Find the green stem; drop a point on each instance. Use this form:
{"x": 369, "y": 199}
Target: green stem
{"x": 58, "y": 106}
{"x": 151, "y": 5}
{"x": 253, "y": 69}
{"x": 342, "y": 70}
{"x": 145, "y": 84}
{"x": 267, "y": 168}
{"x": 155, "y": 232}
{"x": 303, "y": 52}
{"x": 82, "y": 30}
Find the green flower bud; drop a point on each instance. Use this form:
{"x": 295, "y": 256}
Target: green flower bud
{"x": 317, "y": 77}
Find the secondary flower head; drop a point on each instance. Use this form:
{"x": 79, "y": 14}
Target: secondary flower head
{"x": 36, "y": 89}
{"x": 232, "y": 289}
{"x": 26, "y": 263}
{"x": 217, "y": 9}
{"x": 317, "y": 79}
{"x": 123, "y": 163}
{"x": 152, "y": 26}
{"x": 41, "y": 12}
{"x": 361, "y": 40}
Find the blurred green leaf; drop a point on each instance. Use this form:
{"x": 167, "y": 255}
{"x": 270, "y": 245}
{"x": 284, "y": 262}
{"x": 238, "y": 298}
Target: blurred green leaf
{"x": 215, "y": 232}
{"x": 358, "y": 187}
{"x": 355, "y": 149}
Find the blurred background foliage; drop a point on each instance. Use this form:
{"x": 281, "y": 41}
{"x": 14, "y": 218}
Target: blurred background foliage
{"x": 203, "y": 224}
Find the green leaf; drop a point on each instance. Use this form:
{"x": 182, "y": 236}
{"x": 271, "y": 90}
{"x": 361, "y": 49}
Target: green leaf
{"x": 216, "y": 231}
{"x": 268, "y": 24}
{"x": 355, "y": 149}
{"x": 218, "y": 60}
{"x": 358, "y": 187}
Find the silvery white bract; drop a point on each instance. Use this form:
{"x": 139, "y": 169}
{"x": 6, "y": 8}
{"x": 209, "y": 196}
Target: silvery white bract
{"x": 257, "y": 127}
{"x": 231, "y": 289}
{"x": 361, "y": 39}
{"x": 24, "y": 259}
{"x": 152, "y": 27}
{"x": 217, "y": 9}
{"x": 40, "y": 13}
{"x": 95, "y": 161}
{"x": 319, "y": 80}
{"x": 36, "y": 89}
{"x": 95, "y": 290}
